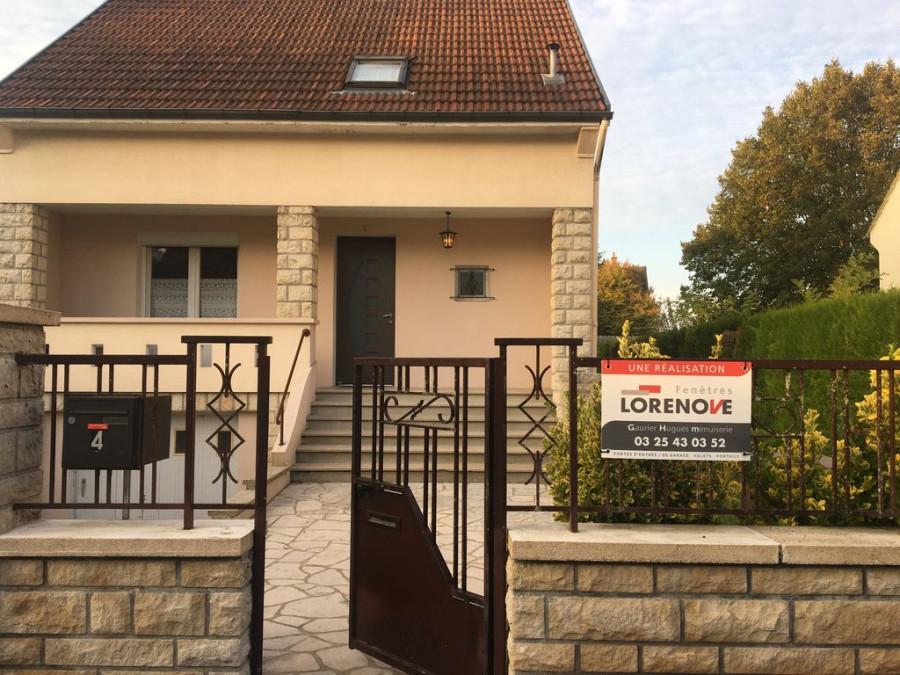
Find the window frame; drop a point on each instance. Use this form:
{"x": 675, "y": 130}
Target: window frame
{"x": 193, "y": 241}
{"x": 457, "y": 272}
{"x": 399, "y": 83}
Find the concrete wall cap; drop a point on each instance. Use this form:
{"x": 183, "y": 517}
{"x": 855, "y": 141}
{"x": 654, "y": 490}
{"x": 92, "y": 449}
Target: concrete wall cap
{"x": 708, "y": 544}
{"x": 127, "y": 538}
{"x": 28, "y": 316}
{"x": 835, "y": 545}
{"x": 702, "y": 544}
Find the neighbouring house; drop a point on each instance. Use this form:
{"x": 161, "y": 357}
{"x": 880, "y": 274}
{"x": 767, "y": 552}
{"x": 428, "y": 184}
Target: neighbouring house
{"x": 172, "y": 167}
{"x": 638, "y": 272}
{"x": 885, "y": 236}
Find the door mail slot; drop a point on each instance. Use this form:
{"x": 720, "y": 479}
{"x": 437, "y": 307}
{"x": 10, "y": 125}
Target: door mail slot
{"x": 113, "y": 431}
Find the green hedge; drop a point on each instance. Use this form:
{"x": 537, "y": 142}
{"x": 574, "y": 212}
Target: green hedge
{"x": 857, "y": 327}
{"x": 694, "y": 342}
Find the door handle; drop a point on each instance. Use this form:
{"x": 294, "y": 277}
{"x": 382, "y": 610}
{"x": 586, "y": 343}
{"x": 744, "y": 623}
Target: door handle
{"x": 389, "y": 317}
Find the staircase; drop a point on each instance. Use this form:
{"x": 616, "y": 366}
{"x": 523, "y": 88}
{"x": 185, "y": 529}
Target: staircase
{"x": 325, "y": 449}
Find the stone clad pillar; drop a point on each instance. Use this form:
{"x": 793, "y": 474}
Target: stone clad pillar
{"x": 23, "y": 255}
{"x": 298, "y": 262}
{"x": 21, "y": 410}
{"x": 572, "y": 265}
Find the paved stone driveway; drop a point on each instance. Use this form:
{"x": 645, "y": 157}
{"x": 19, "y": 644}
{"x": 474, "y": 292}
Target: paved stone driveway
{"x": 308, "y": 584}
{"x": 308, "y": 572}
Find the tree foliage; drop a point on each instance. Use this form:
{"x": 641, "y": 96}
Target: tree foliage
{"x": 798, "y": 197}
{"x": 622, "y": 295}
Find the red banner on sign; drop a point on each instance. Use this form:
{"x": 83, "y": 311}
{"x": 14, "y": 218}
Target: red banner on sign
{"x": 98, "y": 427}
{"x": 670, "y": 367}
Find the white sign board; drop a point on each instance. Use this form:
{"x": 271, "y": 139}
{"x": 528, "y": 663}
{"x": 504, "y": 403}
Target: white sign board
{"x": 684, "y": 410}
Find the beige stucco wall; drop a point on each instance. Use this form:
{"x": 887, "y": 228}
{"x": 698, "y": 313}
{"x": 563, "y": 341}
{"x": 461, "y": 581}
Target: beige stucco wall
{"x": 338, "y": 165}
{"x": 885, "y": 237}
{"x": 96, "y": 258}
{"x": 427, "y": 321}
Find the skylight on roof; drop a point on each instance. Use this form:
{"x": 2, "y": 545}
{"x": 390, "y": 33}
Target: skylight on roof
{"x": 377, "y": 72}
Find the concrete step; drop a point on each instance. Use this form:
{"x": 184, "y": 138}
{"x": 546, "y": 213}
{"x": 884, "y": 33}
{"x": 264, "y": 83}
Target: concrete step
{"x": 332, "y": 433}
{"x": 344, "y": 429}
{"x": 337, "y": 472}
{"x": 344, "y": 395}
{"x": 277, "y": 479}
{"x": 344, "y": 413}
{"x": 331, "y": 452}
{"x": 325, "y": 450}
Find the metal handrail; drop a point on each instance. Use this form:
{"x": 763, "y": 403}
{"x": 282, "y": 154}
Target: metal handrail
{"x": 279, "y": 416}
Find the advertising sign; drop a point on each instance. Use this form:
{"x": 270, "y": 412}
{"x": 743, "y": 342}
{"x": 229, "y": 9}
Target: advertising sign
{"x": 687, "y": 410}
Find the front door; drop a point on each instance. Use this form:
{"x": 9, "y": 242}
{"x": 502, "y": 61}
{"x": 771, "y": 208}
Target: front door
{"x": 365, "y": 301}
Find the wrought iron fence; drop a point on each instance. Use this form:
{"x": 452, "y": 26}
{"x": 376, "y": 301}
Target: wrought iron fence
{"x": 139, "y": 376}
{"x": 824, "y": 439}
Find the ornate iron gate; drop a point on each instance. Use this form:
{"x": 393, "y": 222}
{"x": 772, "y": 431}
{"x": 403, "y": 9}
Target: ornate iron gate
{"x": 425, "y": 481}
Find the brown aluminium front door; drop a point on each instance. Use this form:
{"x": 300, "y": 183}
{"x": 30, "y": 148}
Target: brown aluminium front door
{"x": 365, "y": 301}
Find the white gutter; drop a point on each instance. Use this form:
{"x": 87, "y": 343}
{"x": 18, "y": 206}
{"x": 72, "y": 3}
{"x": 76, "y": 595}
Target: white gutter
{"x": 595, "y": 234}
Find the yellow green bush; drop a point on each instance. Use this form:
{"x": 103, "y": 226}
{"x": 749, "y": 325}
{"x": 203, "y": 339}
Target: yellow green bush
{"x": 791, "y": 470}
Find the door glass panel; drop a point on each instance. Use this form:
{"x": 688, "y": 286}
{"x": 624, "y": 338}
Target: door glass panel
{"x": 168, "y": 281}
{"x": 218, "y": 283}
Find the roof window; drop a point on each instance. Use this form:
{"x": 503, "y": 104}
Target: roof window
{"x": 377, "y": 72}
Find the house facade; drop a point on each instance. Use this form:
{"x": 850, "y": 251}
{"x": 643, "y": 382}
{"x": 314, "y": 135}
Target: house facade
{"x": 197, "y": 167}
{"x": 885, "y": 236}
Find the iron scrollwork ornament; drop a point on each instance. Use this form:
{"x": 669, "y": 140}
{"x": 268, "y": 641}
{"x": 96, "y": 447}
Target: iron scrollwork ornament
{"x": 446, "y": 418}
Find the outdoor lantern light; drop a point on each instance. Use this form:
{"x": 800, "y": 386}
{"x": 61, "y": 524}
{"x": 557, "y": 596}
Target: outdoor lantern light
{"x": 448, "y": 236}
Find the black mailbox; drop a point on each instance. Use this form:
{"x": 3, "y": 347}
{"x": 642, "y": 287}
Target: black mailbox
{"x": 113, "y": 431}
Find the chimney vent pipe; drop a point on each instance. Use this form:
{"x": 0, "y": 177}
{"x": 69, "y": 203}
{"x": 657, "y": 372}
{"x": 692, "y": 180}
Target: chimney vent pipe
{"x": 553, "y": 77}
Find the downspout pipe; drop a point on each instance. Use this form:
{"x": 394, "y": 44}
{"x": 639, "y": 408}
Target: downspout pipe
{"x": 598, "y": 157}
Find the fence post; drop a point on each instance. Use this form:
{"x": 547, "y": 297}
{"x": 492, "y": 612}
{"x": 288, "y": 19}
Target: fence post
{"x": 190, "y": 412}
{"x": 495, "y": 515}
{"x": 259, "y": 500}
{"x": 573, "y": 442}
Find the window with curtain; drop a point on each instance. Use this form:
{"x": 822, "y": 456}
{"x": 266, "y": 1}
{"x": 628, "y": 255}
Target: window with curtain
{"x": 192, "y": 281}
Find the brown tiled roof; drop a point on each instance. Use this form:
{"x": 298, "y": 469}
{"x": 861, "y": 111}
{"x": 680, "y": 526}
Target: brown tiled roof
{"x": 202, "y": 58}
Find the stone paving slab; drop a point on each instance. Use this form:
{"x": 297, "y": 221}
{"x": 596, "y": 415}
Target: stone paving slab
{"x": 308, "y": 584}
{"x": 308, "y": 575}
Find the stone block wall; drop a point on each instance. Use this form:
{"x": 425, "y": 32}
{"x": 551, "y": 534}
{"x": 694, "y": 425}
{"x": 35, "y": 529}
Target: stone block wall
{"x": 652, "y": 616}
{"x": 572, "y": 266}
{"x": 21, "y": 410}
{"x": 110, "y": 614}
{"x": 23, "y": 254}
{"x": 298, "y": 263}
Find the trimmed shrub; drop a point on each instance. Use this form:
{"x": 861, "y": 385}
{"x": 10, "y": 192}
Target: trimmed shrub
{"x": 856, "y": 327}
{"x": 694, "y": 342}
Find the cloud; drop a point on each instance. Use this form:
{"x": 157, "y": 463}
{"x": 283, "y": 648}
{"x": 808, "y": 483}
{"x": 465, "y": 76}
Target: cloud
{"x": 687, "y": 80}
{"x": 30, "y": 25}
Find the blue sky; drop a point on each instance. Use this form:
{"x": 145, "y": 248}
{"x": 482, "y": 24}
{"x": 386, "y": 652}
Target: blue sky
{"x": 687, "y": 79}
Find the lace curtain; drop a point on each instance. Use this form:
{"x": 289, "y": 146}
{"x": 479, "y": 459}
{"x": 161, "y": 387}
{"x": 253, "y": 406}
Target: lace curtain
{"x": 218, "y": 298}
{"x": 169, "y": 298}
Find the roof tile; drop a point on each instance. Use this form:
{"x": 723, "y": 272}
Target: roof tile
{"x": 467, "y": 56}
